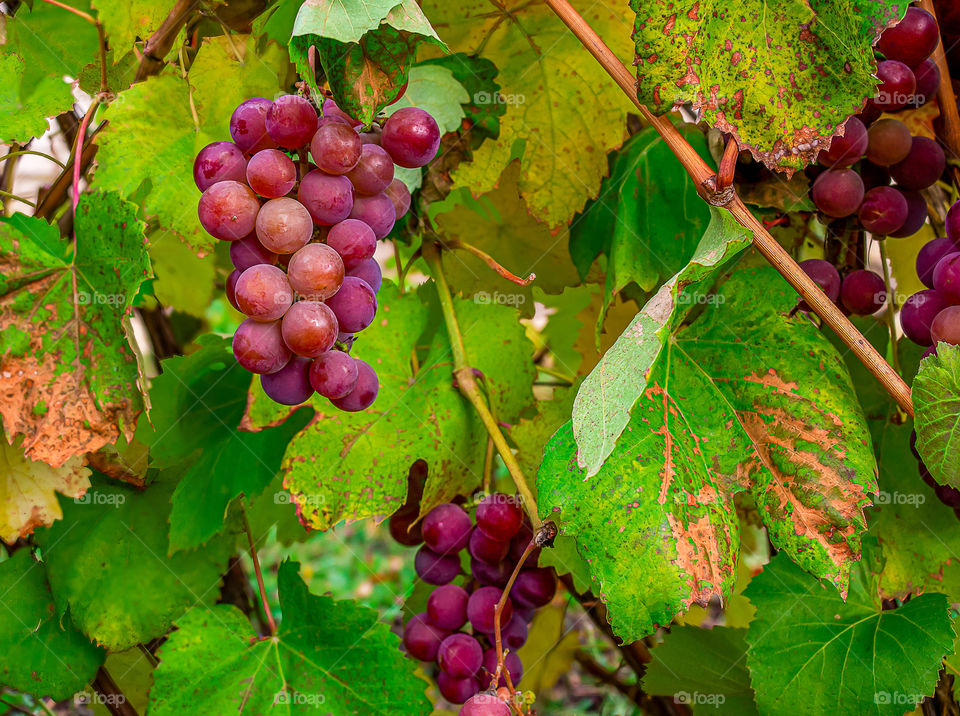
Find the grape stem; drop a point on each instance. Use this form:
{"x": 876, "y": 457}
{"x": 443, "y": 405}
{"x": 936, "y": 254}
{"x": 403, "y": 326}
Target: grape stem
{"x": 948, "y": 100}
{"x": 489, "y": 261}
{"x": 728, "y": 164}
{"x": 498, "y": 610}
{"x": 708, "y": 187}
{"x": 256, "y": 568}
{"x": 891, "y": 307}
{"x": 467, "y": 382}
{"x": 20, "y": 152}
{"x": 161, "y": 42}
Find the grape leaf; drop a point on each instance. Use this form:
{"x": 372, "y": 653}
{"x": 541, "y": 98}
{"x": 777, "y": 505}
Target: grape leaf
{"x": 353, "y": 465}
{"x": 216, "y": 663}
{"x": 726, "y": 409}
{"x": 936, "y": 398}
{"x": 42, "y": 655}
{"x": 184, "y": 281}
{"x": 28, "y": 490}
{"x": 780, "y": 76}
{"x": 716, "y": 682}
{"x": 477, "y": 75}
{"x": 563, "y": 111}
{"x": 126, "y": 20}
{"x": 108, "y": 566}
{"x": 153, "y": 119}
{"x": 72, "y": 386}
{"x": 811, "y": 652}
{"x": 133, "y": 673}
{"x": 549, "y": 651}
{"x": 199, "y": 400}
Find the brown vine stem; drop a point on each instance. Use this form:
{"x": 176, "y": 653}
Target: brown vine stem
{"x": 728, "y": 164}
{"x": 498, "y": 610}
{"x": 706, "y": 182}
{"x": 467, "y": 382}
{"x": 111, "y": 695}
{"x": 948, "y": 100}
{"x": 162, "y": 40}
{"x": 489, "y": 261}
{"x": 256, "y": 568}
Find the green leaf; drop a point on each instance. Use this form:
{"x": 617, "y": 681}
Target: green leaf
{"x": 42, "y": 655}
{"x": 74, "y": 387}
{"x": 365, "y": 457}
{"x": 485, "y": 104}
{"x": 811, "y": 652}
{"x": 341, "y": 20}
{"x": 184, "y": 281}
{"x": 715, "y": 682}
{"x": 726, "y": 409}
{"x": 324, "y": 651}
{"x": 548, "y": 654}
{"x": 126, "y": 20}
{"x": 108, "y": 566}
{"x": 199, "y": 402}
{"x": 25, "y": 117}
{"x": 780, "y": 76}
{"x": 936, "y": 398}
{"x": 133, "y": 673}
{"x": 434, "y": 88}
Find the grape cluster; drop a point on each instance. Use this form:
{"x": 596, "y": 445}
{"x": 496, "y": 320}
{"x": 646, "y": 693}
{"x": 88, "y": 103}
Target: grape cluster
{"x": 457, "y": 629}
{"x": 882, "y": 148}
{"x": 304, "y": 233}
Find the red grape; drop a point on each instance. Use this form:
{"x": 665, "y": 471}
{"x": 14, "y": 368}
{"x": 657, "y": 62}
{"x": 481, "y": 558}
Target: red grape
{"x": 309, "y": 328}
{"x": 460, "y": 655}
{"x": 863, "y": 292}
{"x": 355, "y": 304}
{"x": 518, "y": 545}
{"x": 514, "y": 634}
{"x": 916, "y": 213}
{"x": 493, "y": 574}
{"x": 220, "y": 161}
{"x": 922, "y": 167}
{"x": 422, "y": 639}
{"x": 291, "y": 121}
{"x": 376, "y": 211}
{"x": 363, "y": 393}
{"x": 953, "y": 224}
{"x": 271, "y": 173}
{"x": 825, "y": 275}
{"x": 331, "y": 109}
{"x": 263, "y": 292}
{"x": 228, "y": 210}
{"x": 917, "y": 314}
{"x": 455, "y": 690}
{"x": 369, "y": 272}
{"x": 511, "y": 663}
{"x": 500, "y": 516}
{"x": 912, "y": 40}
{"x": 374, "y": 172}
{"x": 484, "y": 704}
{"x": 316, "y": 272}
{"x": 946, "y": 326}
{"x": 446, "y": 528}
{"x": 898, "y": 86}
{"x": 838, "y": 193}
{"x": 847, "y": 149}
{"x": 485, "y": 548}
{"x": 372, "y": 136}
{"x": 248, "y": 125}
{"x": 946, "y": 278}
{"x": 336, "y": 148}
{"x": 447, "y": 606}
{"x": 929, "y": 256}
{"x": 889, "y": 142}
{"x": 289, "y": 385}
{"x": 284, "y": 225}
{"x": 534, "y": 587}
{"x": 231, "y": 287}
{"x": 874, "y": 175}
{"x": 249, "y": 252}
{"x": 482, "y": 605}
{"x": 928, "y": 82}
{"x": 884, "y": 210}
{"x": 259, "y": 347}
{"x": 334, "y": 375}
{"x": 435, "y": 568}
{"x": 400, "y": 196}
{"x": 329, "y": 199}
{"x": 411, "y": 136}
{"x": 353, "y": 240}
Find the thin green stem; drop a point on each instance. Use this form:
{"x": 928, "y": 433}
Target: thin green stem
{"x": 559, "y": 374}
{"x": 79, "y": 13}
{"x": 889, "y": 314}
{"x": 18, "y": 198}
{"x": 9, "y": 155}
{"x": 256, "y": 569}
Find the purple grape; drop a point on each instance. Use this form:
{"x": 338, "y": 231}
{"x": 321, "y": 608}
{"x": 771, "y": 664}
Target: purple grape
{"x": 446, "y": 528}
{"x": 946, "y": 326}
{"x": 231, "y": 287}
{"x": 534, "y": 587}
{"x": 374, "y": 172}
{"x": 369, "y": 272}
{"x": 435, "y": 568}
{"x": 928, "y": 82}
{"x": 248, "y": 125}
{"x": 363, "y": 393}
{"x": 411, "y": 136}
{"x": 372, "y": 136}
{"x": 271, "y": 173}
{"x": 259, "y": 347}
{"x": 460, "y": 655}
{"x": 309, "y": 328}
{"x": 333, "y": 375}
{"x": 400, "y": 196}
{"x": 883, "y": 211}
{"x": 263, "y": 293}
{"x": 863, "y": 292}
{"x": 355, "y": 304}
{"x": 898, "y": 86}
{"x": 511, "y": 663}
{"x": 329, "y": 199}
{"x": 330, "y": 109}
{"x": 290, "y": 385}
{"x": 284, "y": 225}
{"x": 848, "y": 149}
{"x": 873, "y": 175}
{"x": 916, "y": 214}
{"x": 353, "y": 240}
{"x": 518, "y": 545}
{"x": 486, "y": 548}
{"x": 376, "y": 211}
{"x": 825, "y": 275}
{"x": 220, "y": 161}
{"x": 455, "y": 690}
{"x": 422, "y": 639}
{"x": 484, "y": 704}
{"x": 917, "y": 314}
{"x": 482, "y": 606}
{"x": 929, "y": 256}
{"x": 447, "y": 606}
{"x": 922, "y": 166}
{"x": 946, "y": 278}
{"x": 912, "y": 40}
{"x": 228, "y": 210}
{"x": 838, "y": 193}
{"x": 953, "y": 224}
{"x": 291, "y": 121}
{"x": 316, "y": 272}
{"x": 500, "y": 515}
{"x": 249, "y": 252}
{"x": 336, "y": 148}
{"x": 495, "y": 575}
{"x": 888, "y": 142}
{"x": 514, "y": 634}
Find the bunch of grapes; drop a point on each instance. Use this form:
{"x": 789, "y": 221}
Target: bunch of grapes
{"x": 883, "y": 148}
{"x": 304, "y": 199}
{"x": 457, "y": 629}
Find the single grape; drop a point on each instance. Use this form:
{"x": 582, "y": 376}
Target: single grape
{"x": 847, "y": 149}
{"x": 888, "y": 142}
{"x": 231, "y": 287}
{"x": 336, "y": 148}
{"x": 500, "y": 515}
{"x": 411, "y": 136}
{"x": 248, "y": 125}
{"x": 309, "y": 328}
{"x": 511, "y": 662}
{"x": 953, "y": 224}
{"x": 912, "y": 40}
{"x": 447, "y": 606}
{"x": 376, "y": 211}
{"x": 838, "y": 193}
{"x": 825, "y": 275}
{"x": 259, "y": 347}
{"x": 863, "y": 292}
{"x": 898, "y": 86}
{"x": 446, "y": 528}
{"x": 330, "y": 109}
{"x": 249, "y": 252}
{"x": 263, "y": 293}
{"x": 946, "y": 326}
{"x": 355, "y": 304}
{"x": 884, "y": 210}
{"x": 484, "y": 704}
{"x": 455, "y": 690}
{"x": 946, "y": 278}
{"x": 271, "y": 173}
{"x": 363, "y": 393}
{"x": 486, "y": 548}
{"x": 495, "y": 575}
{"x": 369, "y": 272}
{"x": 329, "y": 199}
{"x": 291, "y": 121}
{"x": 435, "y": 568}
{"x": 400, "y": 196}
{"x": 422, "y": 639}
{"x": 534, "y": 587}
{"x": 333, "y": 375}
{"x": 916, "y": 213}
{"x": 922, "y": 166}
{"x": 525, "y": 613}
{"x": 482, "y": 605}
{"x": 353, "y": 240}
{"x": 316, "y": 272}
{"x": 917, "y": 314}
{"x": 228, "y": 210}
{"x": 929, "y": 256}
{"x": 374, "y": 172}
{"x": 403, "y": 526}
{"x": 514, "y": 634}
{"x": 372, "y": 136}
{"x": 284, "y": 225}
{"x": 928, "y": 82}
{"x": 460, "y": 655}
{"x": 220, "y": 161}
{"x": 290, "y": 385}
{"x": 518, "y": 545}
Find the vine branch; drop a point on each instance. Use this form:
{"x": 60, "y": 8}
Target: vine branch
{"x": 709, "y": 189}
{"x": 489, "y": 261}
{"x": 256, "y": 568}
{"x": 947, "y": 99}
{"x": 112, "y": 697}
{"x": 161, "y": 42}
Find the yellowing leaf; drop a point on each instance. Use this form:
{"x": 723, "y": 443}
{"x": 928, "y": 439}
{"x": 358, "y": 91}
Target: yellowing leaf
{"x": 548, "y": 654}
